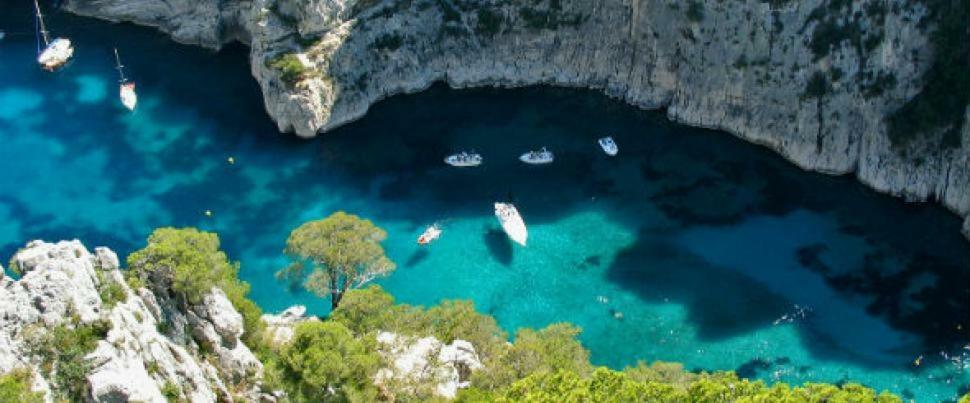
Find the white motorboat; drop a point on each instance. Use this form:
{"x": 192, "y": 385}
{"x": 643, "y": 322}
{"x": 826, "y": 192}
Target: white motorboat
{"x": 464, "y": 159}
{"x": 542, "y": 156}
{"x": 511, "y": 222}
{"x": 429, "y": 235}
{"x": 608, "y": 145}
{"x": 126, "y": 88}
{"x": 56, "y": 53}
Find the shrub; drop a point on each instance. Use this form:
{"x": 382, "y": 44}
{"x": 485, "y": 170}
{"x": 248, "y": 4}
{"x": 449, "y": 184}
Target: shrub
{"x": 111, "y": 294}
{"x": 695, "y": 11}
{"x": 390, "y": 42}
{"x": 190, "y": 263}
{"x": 291, "y": 69}
{"x": 817, "y": 86}
{"x": 489, "y": 22}
{"x": 324, "y": 361}
{"x": 61, "y": 351}
{"x": 15, "y": 387}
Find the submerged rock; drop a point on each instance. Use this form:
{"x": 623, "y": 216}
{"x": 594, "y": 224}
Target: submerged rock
{"x": 135, "y": 361}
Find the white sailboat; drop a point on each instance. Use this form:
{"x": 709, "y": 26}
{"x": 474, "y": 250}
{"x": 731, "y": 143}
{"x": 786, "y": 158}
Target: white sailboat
{"x": 126, "y": 88}
{"x": 429, "y": 235}
{"x": 511, "y": 222}
{"x": 56, "y": 53}
{"x": 464, "y": 159}
{"x": 608, "y": 145}
{"x": 542, "y": 156}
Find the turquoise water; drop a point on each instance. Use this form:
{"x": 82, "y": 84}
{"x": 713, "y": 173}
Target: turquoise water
{"x": 711, "y": 251}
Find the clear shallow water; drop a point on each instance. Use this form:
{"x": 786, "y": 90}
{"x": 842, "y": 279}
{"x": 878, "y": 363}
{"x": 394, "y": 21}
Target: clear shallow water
{"x": 717, "y": 253}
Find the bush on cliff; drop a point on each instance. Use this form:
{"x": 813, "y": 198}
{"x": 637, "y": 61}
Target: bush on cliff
{"x": 190, "y": 263}
{"x": 324, "y": 361}
{"x": 15, "y": 387}
{"x": 291, "y": 69}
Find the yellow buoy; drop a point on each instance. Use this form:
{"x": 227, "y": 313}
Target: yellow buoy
{"x": 231, "y": 160}
{"x": 208, "y": 213}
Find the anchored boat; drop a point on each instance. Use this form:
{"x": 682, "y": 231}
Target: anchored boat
{"x": 429, "y": 235}
{"x": 464, "y": 159}
{"x": 511, "y": 222}
{"x": 56, "y": 53}
{"x": 127, "y": 89}
{"x": 608, "y": 145}
{"x": 542, "y": 156}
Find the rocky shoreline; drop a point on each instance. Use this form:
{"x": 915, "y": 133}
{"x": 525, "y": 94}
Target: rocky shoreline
{"x": 747, "y": 67}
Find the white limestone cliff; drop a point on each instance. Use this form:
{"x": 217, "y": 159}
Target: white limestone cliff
{"x": 135, "y": 361}
{"x": 743, "y": 67}
{"x": 415, "y": 361}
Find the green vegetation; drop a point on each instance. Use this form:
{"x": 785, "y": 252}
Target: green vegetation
{"x": 817, "y": 86}
{"x": 111, "y": 293}
{"x": 325, "y": 361}
{"x": 15, "y": 387}
{"x": 189, "y": 263}
{"x": 605, "y": 385}
{"x": 695, "y": 11}
{"x": 336, "y": 254}
{"x": 336, "y": 359}
{"x": 489, "y": 22}
{"x": 550, "y": 17}
{"x": 387, "y": 42}
{"x": 171, "y": 391}
{"x": 61, "y": 351}
{"x": 941, "y": 104}
{"x": 291, "y": 69}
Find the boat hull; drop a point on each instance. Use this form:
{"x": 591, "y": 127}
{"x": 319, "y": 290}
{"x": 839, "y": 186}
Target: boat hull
{"x": 128, "y": 97}
{"x": 56, "y": 54}
{"x": 512, "y": 222}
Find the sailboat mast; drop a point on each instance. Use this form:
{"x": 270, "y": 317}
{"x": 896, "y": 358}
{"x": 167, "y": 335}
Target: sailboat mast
{"x": 40, "y": 20}
{"x": 121, "y": 71}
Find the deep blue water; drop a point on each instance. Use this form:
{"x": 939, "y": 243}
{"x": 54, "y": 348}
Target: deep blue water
{"x": 717, "y": 253}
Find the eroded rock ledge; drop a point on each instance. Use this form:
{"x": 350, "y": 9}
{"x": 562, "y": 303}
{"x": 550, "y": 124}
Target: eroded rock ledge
{"x": 741, "y": 66}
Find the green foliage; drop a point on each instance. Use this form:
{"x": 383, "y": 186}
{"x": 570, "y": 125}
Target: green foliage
{"x": 390, "y": 42}
{"x": 817, "y": 86}
{"x": 171, "y": 391}
{"x": 325, "y": 361}
{"x": 489, "y": 22}
{"x": 551, "y": 349}
{"x": 695, "y": 11}
{"x": 942, "y": 102}
{"x": 605, "y": 385}
{"x": 61, "y": 351}
{"x": 190, "y": 263}
{"x": 111, "y": 294}
{"x": 291, "y": 69}
{"x": 336, "y": 254}
{"x": 551, "y": 18}
{"x": 15, "y": 387}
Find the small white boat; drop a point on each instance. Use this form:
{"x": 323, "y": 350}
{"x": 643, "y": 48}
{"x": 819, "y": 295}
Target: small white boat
{"x": 464, "y": 159}
{"x": 56, "y": 53}
{"x": 429, "y": 235}
{"x": 511, "y": 222}
{"x": 542, "y": 156}
{"x": 126, "y": 88}
{"x": 608, "y": 146}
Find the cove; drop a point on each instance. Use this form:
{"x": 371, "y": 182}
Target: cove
{"x": 716, "y": 253}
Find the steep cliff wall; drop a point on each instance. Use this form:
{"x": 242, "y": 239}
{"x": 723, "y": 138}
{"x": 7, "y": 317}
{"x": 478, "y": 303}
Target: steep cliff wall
{"x": 144, "y": 348}
{"x": 813, "y": 80}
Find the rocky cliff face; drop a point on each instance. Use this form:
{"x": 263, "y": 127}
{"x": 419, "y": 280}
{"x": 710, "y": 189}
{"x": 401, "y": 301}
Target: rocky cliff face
{"x": 151, "y": 352}
{"x": 748, "y": 67}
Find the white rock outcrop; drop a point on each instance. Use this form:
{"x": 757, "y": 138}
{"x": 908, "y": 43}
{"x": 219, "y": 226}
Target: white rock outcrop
{"x": 740, "y": 66}
{"x": 134, "y": 361}
{"x": 425, "y": 361}
{"x": 279, "y": 328}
